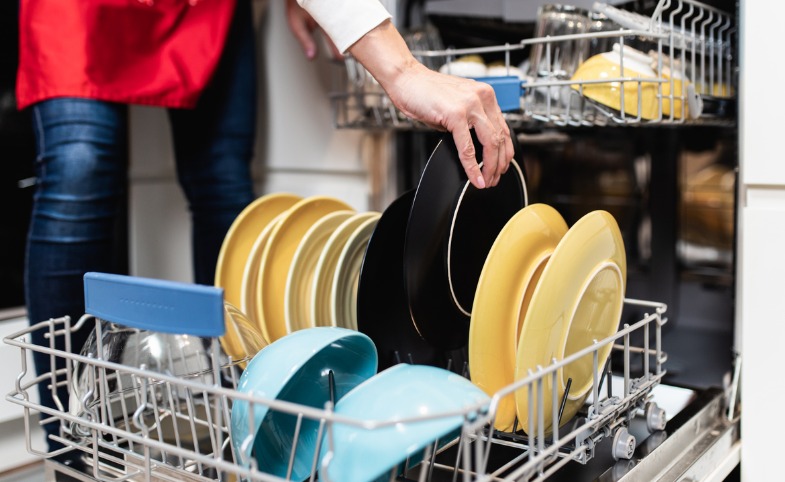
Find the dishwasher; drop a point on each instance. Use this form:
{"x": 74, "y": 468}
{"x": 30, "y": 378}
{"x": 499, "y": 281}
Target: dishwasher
{"x": 634, "y": 424}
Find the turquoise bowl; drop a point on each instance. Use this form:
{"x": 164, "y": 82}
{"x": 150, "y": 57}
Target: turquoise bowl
{"x": 295, "y": 368}
{"x": 397, "y": 393}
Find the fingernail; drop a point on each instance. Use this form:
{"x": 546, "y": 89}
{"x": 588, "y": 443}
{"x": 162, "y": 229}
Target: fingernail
{"x": 481, "y": 181}
{"x": 310, "y": 52}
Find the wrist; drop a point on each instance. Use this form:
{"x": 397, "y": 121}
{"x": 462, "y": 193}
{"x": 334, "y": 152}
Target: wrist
{"x": 383, "y": 52}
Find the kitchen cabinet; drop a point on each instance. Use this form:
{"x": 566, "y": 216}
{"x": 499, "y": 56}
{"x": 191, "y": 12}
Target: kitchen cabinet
{"x": 761, "y": 211}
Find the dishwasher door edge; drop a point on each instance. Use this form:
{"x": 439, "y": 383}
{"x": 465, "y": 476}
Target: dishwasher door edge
{"x": 701, "y": 445}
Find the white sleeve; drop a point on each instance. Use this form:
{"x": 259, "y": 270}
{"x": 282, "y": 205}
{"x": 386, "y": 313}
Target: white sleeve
{"x": 345, "y": 21}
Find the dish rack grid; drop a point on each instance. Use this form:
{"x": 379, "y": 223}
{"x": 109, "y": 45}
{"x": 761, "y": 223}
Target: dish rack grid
{"x": 178, "y": 429}
{"x": 685, "y": 39}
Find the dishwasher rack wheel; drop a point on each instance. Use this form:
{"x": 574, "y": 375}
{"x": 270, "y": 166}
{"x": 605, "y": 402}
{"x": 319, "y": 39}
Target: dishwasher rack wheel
{"x": 623, "y": 444}
{"x": 655, "y": 417}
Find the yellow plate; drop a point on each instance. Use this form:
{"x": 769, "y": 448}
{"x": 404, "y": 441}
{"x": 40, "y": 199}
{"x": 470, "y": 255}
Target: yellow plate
{"x": 299, "y": 283}
{"x": 578, "y": 300}
{"x": 278, "y": 254}
{"x": 609, "y": 93}
{"x": 241, "y": 341}
{"x": 250, "y": 291}
{"x": 343, "y": 294}
{"x": 321, "y": 312}
{"x": 240, "y": 238}
{"x": 509, "y": 276}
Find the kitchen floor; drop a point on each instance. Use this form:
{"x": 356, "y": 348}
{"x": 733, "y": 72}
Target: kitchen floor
{"x": 28, "y": 473}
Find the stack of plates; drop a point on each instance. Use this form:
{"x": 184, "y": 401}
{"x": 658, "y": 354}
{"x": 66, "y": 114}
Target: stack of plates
{"x": 290, "y": 263}
{"x": 545, "y": 292}
{"x": 444, "y": 266}
{"x": 422, "y": 265}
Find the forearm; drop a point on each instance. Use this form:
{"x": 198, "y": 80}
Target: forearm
{"x": 384, "y": 53}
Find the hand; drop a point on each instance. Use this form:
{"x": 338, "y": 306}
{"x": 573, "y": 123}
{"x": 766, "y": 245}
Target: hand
{"x": 303, "y": 27}
{"x": 441, "y": 101}
{"x": 458, "y": 105}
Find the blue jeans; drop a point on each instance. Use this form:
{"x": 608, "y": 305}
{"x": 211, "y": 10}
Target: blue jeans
{"x": 82, "y": 175}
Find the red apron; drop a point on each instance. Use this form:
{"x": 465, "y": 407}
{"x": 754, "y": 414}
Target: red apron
{"x": 160, "y": 52}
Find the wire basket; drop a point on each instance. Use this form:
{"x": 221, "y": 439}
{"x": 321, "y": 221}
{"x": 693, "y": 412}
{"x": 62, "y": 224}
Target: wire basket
{"x": 144, "y": 423}
{"x": 689, "y": 46}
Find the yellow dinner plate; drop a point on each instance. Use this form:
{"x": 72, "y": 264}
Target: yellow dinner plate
{"x": 321, "y": 312}
{"x": 509, "y": 276}
{"x": 240, "y": 238}
{"x": 241, "y": 341}
{"x": 578, "y": 300}
{"x": 343, "y": 293}
{"x": 278, "y": 254}
{"x": 250, "y": 291}
{"x": 299, "y": 283}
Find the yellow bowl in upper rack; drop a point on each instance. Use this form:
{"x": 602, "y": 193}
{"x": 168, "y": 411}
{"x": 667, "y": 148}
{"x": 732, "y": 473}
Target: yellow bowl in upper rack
{"x": 679, "y": 91}
{"x": 608, "y": 66}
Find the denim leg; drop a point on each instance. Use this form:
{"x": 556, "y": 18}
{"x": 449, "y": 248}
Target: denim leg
{"x": 81, "y": 175}
{"x": 214, "y": 145}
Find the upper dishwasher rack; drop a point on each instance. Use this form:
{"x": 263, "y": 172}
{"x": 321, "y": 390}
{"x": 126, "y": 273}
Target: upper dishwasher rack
{"x": 690, "y": 47}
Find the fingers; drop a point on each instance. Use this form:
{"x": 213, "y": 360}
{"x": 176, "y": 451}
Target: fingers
{"x": 468, "y": 156}
{"x": 457, "y": 105}
{"x": 302, "y": 26}
{"x": 494, "y": 135}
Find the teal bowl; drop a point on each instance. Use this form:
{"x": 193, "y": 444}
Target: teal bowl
{"x": 295, "y": 369}
{"x": 397, "y": 393}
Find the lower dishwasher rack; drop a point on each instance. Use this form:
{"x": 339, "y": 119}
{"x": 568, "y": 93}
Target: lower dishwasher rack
{"x": 600, "y": 442}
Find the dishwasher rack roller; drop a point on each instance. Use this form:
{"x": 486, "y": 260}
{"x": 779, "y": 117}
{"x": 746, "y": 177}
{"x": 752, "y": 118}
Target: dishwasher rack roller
{"x": 145, "y": 425}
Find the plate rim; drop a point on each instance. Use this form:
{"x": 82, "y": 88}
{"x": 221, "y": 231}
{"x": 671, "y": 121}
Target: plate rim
{"x": 492, "y": 377}
{"x": 328, "y": 260}
{"x": 274, "y": 324}
{"x": 250, "y": 303}
{"x": 382, "y": 310}
{"x": 325, "y": 223}
{"x": 364, "y": 230}
{"x": 261, "y": 205}
{"x": 444, "y": 154}
{"x": 514, "y": 164}
{"x": 573, "y": 241}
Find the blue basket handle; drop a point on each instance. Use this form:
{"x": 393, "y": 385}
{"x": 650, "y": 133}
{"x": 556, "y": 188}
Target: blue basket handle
{"x": 508, "y": 90}
{"x": 156, "y": 305}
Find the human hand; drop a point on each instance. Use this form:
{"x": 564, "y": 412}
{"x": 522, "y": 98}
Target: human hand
{"x": 457, "y": 104}
{"x": 440, "y": 101}
{"x": 303, "y": 27}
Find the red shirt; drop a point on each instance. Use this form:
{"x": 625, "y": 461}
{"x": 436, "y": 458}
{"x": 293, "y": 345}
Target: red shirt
{"x": 153, "y": 52}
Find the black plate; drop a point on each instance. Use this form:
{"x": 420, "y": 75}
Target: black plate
{"x": 452, "y": 226}
{"x": 382, "y": 310}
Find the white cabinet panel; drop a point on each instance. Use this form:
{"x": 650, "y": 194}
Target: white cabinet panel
{"x": 160, "y": 231}
{"x": 351, "y": 189}
{"x": 152, "y": 154}
{"x": 760, "y": 98}
{"x": 762, "y": 297}
{"x": 11, "y": 361}
{"x": 296, "y": 118}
